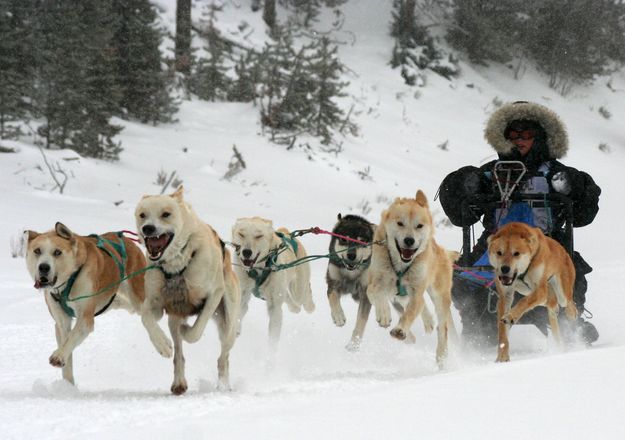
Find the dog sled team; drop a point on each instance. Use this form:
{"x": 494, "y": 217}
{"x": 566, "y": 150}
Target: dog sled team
{"x": 189, "y": 275}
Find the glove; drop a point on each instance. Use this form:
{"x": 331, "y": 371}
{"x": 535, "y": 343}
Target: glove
{"x": 568, "y": 182}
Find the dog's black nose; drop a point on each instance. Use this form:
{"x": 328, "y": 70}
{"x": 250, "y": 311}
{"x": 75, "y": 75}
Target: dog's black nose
{"x": 408, "y": 241}
{"x": 148, "y": 229}
{"x": 247, "y": 253}
{"x": 44, "y": 268}
{"x": 351, "y": 256}
{"x": 505, "y": 269}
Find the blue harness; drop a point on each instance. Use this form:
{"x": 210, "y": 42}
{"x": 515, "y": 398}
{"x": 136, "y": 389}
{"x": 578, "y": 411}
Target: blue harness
{"x": 120, "y": 259}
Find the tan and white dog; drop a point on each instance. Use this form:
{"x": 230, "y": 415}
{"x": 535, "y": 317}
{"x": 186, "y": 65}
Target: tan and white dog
{"x": 536, "y": 266}
{"x": 194, "y": 277}
{"x": 258, "y": 249}
{"x": 68, "y": 266}
{"x": 409, "y": 263}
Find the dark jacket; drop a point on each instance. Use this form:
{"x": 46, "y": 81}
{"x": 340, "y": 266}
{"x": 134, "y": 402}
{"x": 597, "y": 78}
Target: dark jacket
{"x": 550, "y": 144}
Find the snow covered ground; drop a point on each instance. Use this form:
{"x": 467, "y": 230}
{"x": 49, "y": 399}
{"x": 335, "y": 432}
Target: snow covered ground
{"x": 316, "y": 389}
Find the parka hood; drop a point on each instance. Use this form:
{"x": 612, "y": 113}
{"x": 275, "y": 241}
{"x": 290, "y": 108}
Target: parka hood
{"x": 557, "y": 139}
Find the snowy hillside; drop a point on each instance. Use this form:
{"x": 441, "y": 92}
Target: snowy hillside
{"x": 316, "y": 389}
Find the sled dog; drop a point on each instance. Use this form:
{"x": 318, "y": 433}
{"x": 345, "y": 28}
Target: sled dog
{"x": 536, "y": 266}
{"x": 259, "y": 248}
{"x": 69, "y": 266}
{"x": 409, "y": 263}
{"x": 348, "y": 270}
{"x": 194, "y": 277}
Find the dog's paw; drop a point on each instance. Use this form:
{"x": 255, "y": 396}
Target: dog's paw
{"x": 398, "y": 333}
{"x": 428, "y": 322}
{"x": 338, "y": 316}
{"x": 56, "y": 359}
{"x": 410, "y": 338}
{"x": 503, "y": 357}
{"x": 294, "y": 308}
{"x": 353, "y": 345}
{"x": 223, "y": 385}
{"x": 383, "y": 315}
{"x": 507, "y": 319}
{"x": 179, "y": 387}
{"x": 162, "y": 344}
{"x": 189, "y": 333}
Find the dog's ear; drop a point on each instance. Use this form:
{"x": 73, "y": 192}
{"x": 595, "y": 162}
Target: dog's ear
{"x": 532, "y": 239}
{"x": 421, "y": 199}
{"x": 31, "y": 235}
{"x": 339, "y": 217}
{"x": 178, "y": 193}
{"x": 63, "y": 231}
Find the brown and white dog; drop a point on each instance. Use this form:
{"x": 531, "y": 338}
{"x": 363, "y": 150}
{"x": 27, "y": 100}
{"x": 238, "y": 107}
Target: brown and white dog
{"x": 68, "y": 266}
{"x": 194, "y": 277}
{"x": 536, "y": 266}
{"x": 409, "y": 263}
{"x": 258, "y": 246}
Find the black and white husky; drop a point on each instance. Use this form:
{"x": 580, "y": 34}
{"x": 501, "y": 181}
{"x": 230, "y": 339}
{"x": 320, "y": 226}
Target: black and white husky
{"x": 347, "y": 271}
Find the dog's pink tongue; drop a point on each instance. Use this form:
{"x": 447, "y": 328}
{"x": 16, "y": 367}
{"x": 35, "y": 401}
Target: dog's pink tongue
{"x": 407, "y": 253}
{"x": 156, "y": 244}
{"x": 37, "y": 285}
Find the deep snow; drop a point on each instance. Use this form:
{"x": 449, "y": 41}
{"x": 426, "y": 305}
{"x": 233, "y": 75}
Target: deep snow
{"x": 316, "y": 389}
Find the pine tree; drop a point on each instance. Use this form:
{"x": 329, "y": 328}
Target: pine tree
{"x": 326, "y": 70}
{"x": 210, "y": 80}
{"x": 573, "y": 46}
{"x": 489, "y": 30}
{"x": 16, "y": 64}
{"x": 414, "y": 49}
{"x": 145, "y": 86}
{"x": 73, "y": 94}
{"x": 248, "y": 74}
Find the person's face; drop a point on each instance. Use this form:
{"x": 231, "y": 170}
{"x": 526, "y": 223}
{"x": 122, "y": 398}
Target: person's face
{"x": 523, "y": 140}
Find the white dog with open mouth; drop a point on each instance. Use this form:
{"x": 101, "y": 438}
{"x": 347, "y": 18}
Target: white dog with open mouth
{"x": 194, "y": 277}
{"x": 259, "y": 250}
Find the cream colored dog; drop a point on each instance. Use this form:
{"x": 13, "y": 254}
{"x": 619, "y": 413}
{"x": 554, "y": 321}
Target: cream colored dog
{"x": 68, "y": 266}
{"x": 195, "y": 277}
{"x": 409, "y": 263}
{"x": 536, "y": 266}
{"x": 259, "y": 248}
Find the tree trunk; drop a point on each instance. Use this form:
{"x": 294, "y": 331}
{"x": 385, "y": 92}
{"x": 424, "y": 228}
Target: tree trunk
{"x": 183, "y": 36}
{"x": 269, "y": 15}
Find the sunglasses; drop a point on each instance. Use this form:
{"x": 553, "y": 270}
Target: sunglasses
{"x": 522, "y": 134}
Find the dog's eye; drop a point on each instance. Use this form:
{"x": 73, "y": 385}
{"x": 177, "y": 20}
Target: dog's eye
{"x": 142, "y": 215}
{"x": 499, "y": 253}
{"x": 165, "y": 214}
{"x": 57, "y": 253}
{"x": 37, "y": 251}
{"x": 419, "y": 226}
{"x": 516, "y": 254}
{"x": 400, "y": 224}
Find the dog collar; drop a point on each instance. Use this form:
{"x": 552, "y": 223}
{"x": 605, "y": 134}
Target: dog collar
{"x": 401, "y": 289}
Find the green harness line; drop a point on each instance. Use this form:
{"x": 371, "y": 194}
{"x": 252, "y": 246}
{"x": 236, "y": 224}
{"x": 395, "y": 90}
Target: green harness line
{"x": 401, "y": 289}
{"x": 260, "y": 274}
{"x": 63, "y": 297}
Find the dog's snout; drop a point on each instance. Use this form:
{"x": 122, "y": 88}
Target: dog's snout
{"x": 148, "y": 229}
{"x": 44, "y": 268}
{"x": 505, "y": 269}
{"x": 247, "y": 253}
{"x": 351, "y": 256}
{"x": 408, "y": 241}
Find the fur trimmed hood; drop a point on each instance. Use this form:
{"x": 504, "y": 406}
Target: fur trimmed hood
{"x": 557, "y": 137}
